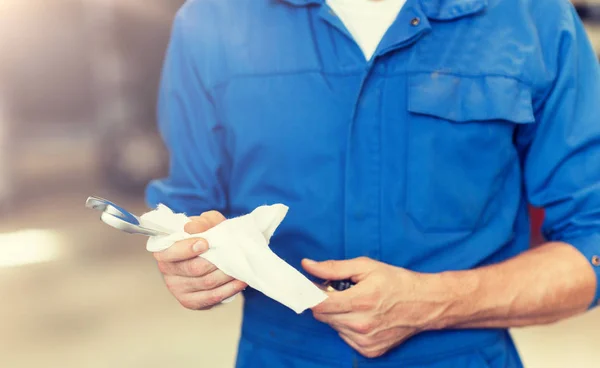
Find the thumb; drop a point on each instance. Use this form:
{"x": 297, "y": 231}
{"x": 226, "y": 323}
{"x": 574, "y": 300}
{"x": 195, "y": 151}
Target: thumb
{"x": 338, "y": 270}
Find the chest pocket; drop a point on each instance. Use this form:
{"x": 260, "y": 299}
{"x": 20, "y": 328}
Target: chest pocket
{"x": 460, "y": 148}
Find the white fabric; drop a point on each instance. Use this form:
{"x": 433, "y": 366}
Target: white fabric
{"x": 240, "y": 248}
{"x": 367, "y": 20}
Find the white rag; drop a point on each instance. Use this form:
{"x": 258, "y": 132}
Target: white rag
{"x": 240, "y": 248}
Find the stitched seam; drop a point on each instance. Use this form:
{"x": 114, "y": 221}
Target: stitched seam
{"x": 278, "y": 74}
{"x": 464, "y": 75}
{"x": 358, "y": 71}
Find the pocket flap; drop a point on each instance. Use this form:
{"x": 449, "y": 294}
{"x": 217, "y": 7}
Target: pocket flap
{"x": 467, "y": 99}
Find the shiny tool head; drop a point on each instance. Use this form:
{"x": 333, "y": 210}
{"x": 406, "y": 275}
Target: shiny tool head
{"x": 119, "y": 218}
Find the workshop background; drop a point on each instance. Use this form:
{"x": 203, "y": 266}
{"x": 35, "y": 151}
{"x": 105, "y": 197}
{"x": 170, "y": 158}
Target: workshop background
{"x": 78, "y": 81}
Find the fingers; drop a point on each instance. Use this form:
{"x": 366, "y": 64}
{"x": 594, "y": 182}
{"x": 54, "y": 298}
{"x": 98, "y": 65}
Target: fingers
{"x": 207, "y": 220}
{"x": 335, "y": 303}
{"x": 182, "y": 284}
{"x": 195, "y": 282}
{"x": 349, "y": 341}
{"x": 182, "y": 250}
{"x": 339, "y": 270}
{"x": 195, "y": 267}
{"x": 348, "y": 322}
{"x": 202, "y": 300}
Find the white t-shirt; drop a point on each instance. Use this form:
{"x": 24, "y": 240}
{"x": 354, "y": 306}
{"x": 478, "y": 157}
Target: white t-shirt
{"x": 367, "y": 20}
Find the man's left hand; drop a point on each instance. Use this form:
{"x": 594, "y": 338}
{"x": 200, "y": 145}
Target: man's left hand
{"x": 387, "y": 305}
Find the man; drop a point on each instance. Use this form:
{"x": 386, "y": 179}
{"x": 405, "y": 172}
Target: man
{"x": 408, "y": 168}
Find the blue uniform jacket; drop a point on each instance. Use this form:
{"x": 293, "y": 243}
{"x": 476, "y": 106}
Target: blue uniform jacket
{"x": 425, "y": 157}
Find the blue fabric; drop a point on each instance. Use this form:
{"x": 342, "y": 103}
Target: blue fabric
{"x": 424, "y": 158}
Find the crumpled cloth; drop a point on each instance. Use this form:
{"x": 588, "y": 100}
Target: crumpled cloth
{"x": 240, "y": 248}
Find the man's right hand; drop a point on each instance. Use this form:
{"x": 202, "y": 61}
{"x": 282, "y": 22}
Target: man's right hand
{"x": 196, "y": 283}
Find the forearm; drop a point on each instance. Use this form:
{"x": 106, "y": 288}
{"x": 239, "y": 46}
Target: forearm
{"x": 540, "y": 286}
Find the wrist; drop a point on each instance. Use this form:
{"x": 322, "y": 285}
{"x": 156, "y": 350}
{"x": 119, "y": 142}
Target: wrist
{"x": 460, "y": 301}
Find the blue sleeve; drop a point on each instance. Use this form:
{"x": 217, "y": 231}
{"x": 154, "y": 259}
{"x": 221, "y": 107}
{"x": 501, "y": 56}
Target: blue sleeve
{"x": 562, "y": 161}
{"x": 191, "y": 131}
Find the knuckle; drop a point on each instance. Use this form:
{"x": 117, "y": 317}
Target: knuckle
{"x": 318, "y": 316}
{"x": 362, "y": 327}
{"x": 203, "y": 266}
{"x": 204, "y": 219}
{"x": 197, "y": 225}
{"x": 197, "y": 268}
{"x": 364, "y": 262}
{"x": 209, "y": 282}
{"x": 375, "y": 295}
{"x": 318, "y": 309}
{"x": 362, "y": 341}
{"x": 355, "y": 326}
{"x": 215, "y": 298}
{"x": 202, "y": 223}
{"x": 192, "y": 227}
{"x": 192, "y": 268}
{"x": 215, "y": 216}
{"x": 185, "y": 268}
{"x": 362, "y": 304}
{"x": 376, "y": 299}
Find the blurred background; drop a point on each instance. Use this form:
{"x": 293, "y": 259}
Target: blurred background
{"x": 78, "y": 82}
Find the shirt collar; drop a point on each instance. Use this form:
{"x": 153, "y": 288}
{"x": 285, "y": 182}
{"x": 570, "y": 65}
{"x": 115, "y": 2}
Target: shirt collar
{"x": 434, "y": 9}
